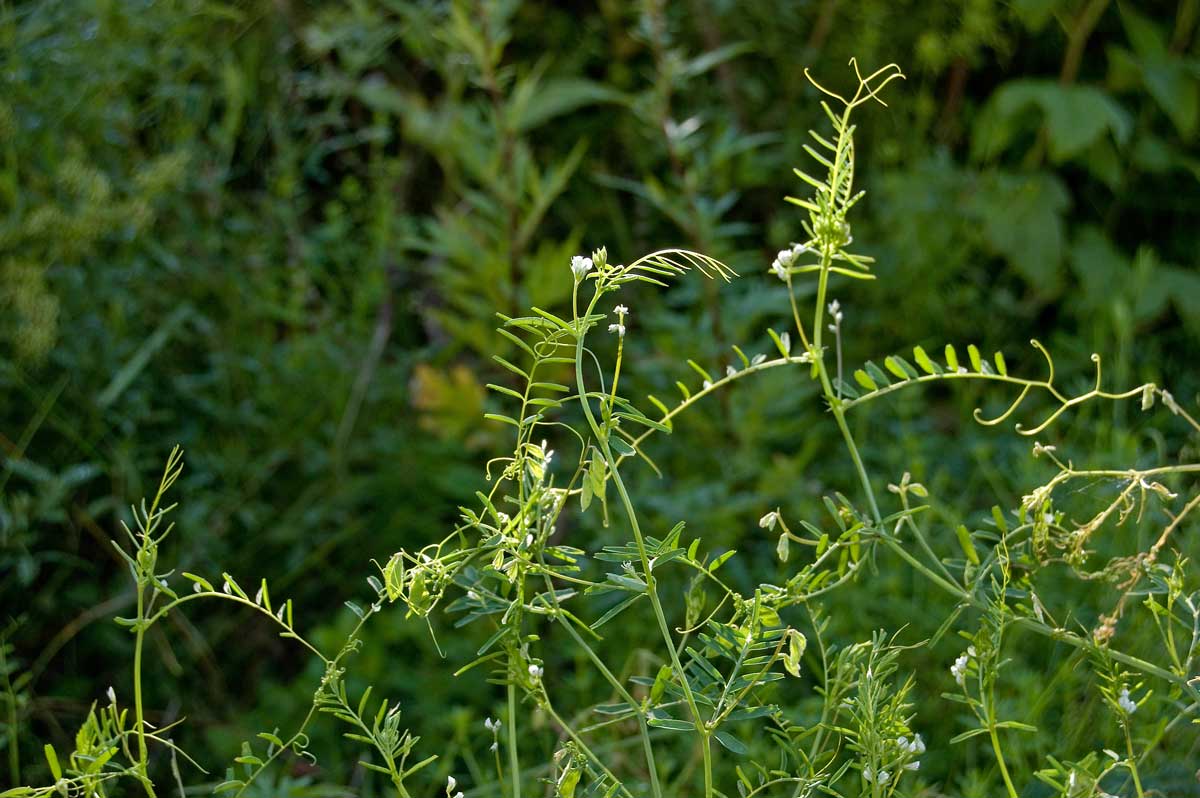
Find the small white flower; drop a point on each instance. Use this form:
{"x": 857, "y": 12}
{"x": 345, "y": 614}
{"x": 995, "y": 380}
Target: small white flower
{"x": 768, "y": 521}
{"x": 707, "y": 384}
{"x": 917, "y": 746}
{"x": 1125, "y": 702}
{"x": 112, "y": 695}
{"x": 619, "y": 329}
{"x": 472, "y": 595}
{"x": 529, "y": 540}
{"x": 196, "y": 587}
{"x": 493, "y": 746}
{"x": 730, "y": 371}
{"x": 914, "y": 765}
{"x": 959, "y": 669}
{"x": 451, "y": 783}
{"x": 757, "y": 359}
{"x": 535, "y": 672}
{"x": 784, "y": 259}
{"x": 228, "y": 591}
{"x": 258, "y": 596}
{"x": 786, "y": 340}
{"x": 835, "y": 311}
{"x": 621, "y": 310}
{"x": 491, "y": 725}
{"x": 580, "y": 266}
{"x": 873, "y": 777}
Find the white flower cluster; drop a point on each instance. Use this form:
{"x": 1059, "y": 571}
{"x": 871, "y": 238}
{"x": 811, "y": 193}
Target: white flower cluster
{"x": 959, "y": 669}
{"x": 535, "y": 672}
{"x": 494, "y": 727}
{"x": 835, "y": 313}
{"x": 915, "y": 746}
{"x": 785, "y": 258}
{"x": 769, "y": 520}
{"x": 872, "y": 776}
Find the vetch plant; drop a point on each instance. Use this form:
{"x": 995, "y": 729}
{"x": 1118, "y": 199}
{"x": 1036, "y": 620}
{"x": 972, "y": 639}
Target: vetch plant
{"x": 748, "y": 690}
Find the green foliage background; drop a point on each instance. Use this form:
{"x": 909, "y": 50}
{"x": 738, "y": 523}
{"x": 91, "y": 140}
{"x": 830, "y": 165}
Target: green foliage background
{"x": 277, "y": 234}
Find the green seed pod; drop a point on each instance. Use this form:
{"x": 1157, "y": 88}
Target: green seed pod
{"x": 660, "y": 684}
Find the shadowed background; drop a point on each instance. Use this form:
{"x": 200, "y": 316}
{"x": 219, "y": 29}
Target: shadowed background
{"x": 277, "y": 234}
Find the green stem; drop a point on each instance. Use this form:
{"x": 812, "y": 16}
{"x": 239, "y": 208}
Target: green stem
{"x": 139, "y": 715}
{"x": 651, "y": 589}
{"x": 652, "y": 592}
{"x": 513, "y": 760}
{"x": 835, "y": 403}
{"x": 1012, "y": 792}
{"x": 587, "y": 751}
{"x": 1133, "y": 770}
{"x": 643, "y": 729}
{"x": 1034, "y": 625}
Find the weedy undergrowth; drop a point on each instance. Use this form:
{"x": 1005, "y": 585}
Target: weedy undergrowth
{"x": 748, "y": 690}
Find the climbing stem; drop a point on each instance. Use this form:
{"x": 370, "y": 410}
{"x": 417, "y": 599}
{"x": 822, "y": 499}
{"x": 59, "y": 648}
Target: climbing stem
{"x": 601, "y": 436}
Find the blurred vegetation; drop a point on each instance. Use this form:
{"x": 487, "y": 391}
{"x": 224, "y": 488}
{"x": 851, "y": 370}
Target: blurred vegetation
{"x": 277, "y": 234}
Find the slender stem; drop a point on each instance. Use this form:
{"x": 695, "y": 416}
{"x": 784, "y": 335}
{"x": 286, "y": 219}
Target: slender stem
{"x": 664, "y": 628}
{"x": 923, "y": 542}
{"x": 1133, "y": 769}
{"x": 639, "y": 541}
{"x": 1012, "y": 791}
{"x": 216, "y": 594}
{"x": 796, "y": 314}
{"x": 835, "y": 403}
{"x": 1033, "y": 624}
{"x": 708, "y": 776}
{"x": 513, "y": 759}
{"x": 643, "y": 729}
{"x": 138, "y": 712}
{"x": 587, "y": 751}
